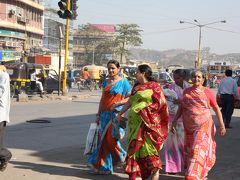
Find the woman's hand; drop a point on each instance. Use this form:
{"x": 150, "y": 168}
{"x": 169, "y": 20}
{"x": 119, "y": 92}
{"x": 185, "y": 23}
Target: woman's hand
{"x": 222, "y": 130}
{"x": 174, "y": 127}
{"x": 116, "y": 104}
{"x": 113, "y": 107}
{"x": 119, "y": 117}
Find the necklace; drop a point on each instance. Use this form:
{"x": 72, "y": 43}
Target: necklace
{"x": 113, "y": 81}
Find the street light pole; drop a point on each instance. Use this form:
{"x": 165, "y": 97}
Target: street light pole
{"x": 93, "y": 55}
{"x": 199, "y": 47}
{"x": 196, "y": 23}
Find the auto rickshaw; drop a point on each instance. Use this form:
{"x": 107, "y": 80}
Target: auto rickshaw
{"x": 96, "y": 73}
{"x": 20, "y": 76}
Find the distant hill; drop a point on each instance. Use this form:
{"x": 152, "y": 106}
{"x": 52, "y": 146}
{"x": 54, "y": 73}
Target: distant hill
{"x": 181, "y": 56}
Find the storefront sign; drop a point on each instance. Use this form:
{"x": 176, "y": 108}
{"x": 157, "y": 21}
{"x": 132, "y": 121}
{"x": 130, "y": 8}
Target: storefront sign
{"x": 12, "y": 34}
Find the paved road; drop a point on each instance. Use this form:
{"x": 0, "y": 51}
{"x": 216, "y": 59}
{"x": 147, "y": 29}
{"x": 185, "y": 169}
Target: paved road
{"x": 54, "y": 150}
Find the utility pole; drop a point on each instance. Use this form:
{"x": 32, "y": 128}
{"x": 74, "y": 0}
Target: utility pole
{"x": 93, "y": 55}
{"x": 66, "y": 51}
{"x": 60, "y": 59}
{"x": 196, "y": 23}
{"x": 68, "y": 11}
{"x": 199, "y": 47}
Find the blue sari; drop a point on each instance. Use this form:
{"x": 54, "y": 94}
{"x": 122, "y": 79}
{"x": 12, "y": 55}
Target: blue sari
{"x": 109, "y": 151}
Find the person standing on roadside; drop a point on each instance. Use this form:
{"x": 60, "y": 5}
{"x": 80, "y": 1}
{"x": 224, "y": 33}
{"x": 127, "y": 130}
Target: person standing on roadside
{"x": 227, "y": 91}
{"x": 5, "y": 154}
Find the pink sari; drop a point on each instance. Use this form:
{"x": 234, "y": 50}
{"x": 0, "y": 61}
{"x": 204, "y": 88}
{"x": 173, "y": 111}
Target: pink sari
{"x": 174, "y": 144}
{"x": 200, "y": 146}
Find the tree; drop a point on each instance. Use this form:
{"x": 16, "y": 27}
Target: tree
{"x": 128, "y": 35}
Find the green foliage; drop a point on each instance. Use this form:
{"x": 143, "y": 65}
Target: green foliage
{"x": 128, "y": 35}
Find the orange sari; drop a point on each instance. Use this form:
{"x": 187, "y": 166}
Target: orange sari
{"x": 200, "y": 146}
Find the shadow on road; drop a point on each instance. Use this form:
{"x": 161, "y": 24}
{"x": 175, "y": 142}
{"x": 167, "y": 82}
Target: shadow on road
{"x": 57, "y": 148}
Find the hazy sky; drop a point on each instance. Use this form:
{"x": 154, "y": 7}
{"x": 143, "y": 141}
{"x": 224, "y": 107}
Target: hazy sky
{"x": 159, "y": 20}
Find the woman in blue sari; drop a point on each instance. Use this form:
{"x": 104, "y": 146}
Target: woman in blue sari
{"x": 115, "y": 93}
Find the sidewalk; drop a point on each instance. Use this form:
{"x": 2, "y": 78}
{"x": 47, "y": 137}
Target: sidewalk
{"x": 71, "y": 96}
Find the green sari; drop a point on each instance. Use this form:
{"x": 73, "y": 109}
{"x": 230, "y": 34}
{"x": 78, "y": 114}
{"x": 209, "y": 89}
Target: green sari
{"x": 147, "y": 129}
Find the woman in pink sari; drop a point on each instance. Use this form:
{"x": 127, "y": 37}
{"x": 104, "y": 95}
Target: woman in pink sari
{"x": 199, "y": 128}
{"x": 174, "y": 145}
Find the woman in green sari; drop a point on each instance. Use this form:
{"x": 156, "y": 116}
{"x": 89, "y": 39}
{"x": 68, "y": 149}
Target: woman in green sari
{"x": 147, "y": 126}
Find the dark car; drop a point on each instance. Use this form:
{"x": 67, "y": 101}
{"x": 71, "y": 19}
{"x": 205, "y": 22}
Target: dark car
{"x": 52, "y": 82}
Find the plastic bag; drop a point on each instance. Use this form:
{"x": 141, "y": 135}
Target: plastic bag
{"x": 92, "y": 139}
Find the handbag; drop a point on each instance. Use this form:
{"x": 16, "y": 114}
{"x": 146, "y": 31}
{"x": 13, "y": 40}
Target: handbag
{"x": 92, "y": 139}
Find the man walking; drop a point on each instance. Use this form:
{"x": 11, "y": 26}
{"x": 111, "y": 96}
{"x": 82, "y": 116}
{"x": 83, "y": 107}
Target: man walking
{"x": 5, "y": 154}
{"x": 227, "y": 91}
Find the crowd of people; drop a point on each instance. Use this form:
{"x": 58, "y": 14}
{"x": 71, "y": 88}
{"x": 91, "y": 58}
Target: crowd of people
{"x": 176, "y": 119}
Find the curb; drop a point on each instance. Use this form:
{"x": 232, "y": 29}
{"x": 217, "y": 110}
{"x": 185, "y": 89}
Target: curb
{"x": 50, "y": 98}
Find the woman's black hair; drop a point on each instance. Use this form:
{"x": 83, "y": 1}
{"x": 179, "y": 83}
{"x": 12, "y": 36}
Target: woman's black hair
{"x": 144, "y": 68}
{"x": 116, "y": 63}
{"x": 181, "y": 72}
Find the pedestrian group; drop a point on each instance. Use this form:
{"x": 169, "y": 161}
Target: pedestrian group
{"x": 176, "y": 118}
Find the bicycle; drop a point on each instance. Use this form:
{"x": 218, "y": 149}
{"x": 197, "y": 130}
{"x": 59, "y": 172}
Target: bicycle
{"x": 83, "y": 84}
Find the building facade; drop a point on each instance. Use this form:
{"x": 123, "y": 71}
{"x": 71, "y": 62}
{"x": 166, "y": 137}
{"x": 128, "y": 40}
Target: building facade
{"x": 92, "y": 44}
{"x": 21, "y": 28}
{"x": 51, "y": 38}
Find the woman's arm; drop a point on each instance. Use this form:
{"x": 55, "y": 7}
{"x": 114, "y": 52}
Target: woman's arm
{"x": 218, "y": 113}
{"x": 119, "y": 103}
{"x": 177, "y": 116}
{"x": 124, "y": 109}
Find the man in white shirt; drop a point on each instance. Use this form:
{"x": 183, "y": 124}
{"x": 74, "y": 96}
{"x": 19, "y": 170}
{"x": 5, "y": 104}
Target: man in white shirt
{"x": 227, "y": 91}
{"x": 5, "y": 154}
{"x": 33, "y": 77}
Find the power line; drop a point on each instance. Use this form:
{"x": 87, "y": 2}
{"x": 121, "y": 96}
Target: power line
{"x": 170, "y": 30}
{"x": 234, "y": 32}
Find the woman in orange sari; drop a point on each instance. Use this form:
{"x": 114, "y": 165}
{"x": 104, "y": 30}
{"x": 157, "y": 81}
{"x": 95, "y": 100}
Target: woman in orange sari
{"x": 147, "y": 126}
{"x": 200, "y": 146}
{"x": 109, "y": 151}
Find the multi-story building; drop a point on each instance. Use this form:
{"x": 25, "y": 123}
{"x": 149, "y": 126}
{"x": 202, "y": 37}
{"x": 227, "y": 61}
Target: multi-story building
{"x": 52, "y": 25}
{"x": 20, "y": 27}
{"x": 51, "y": 38}
{"x": 91, "y": 44}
